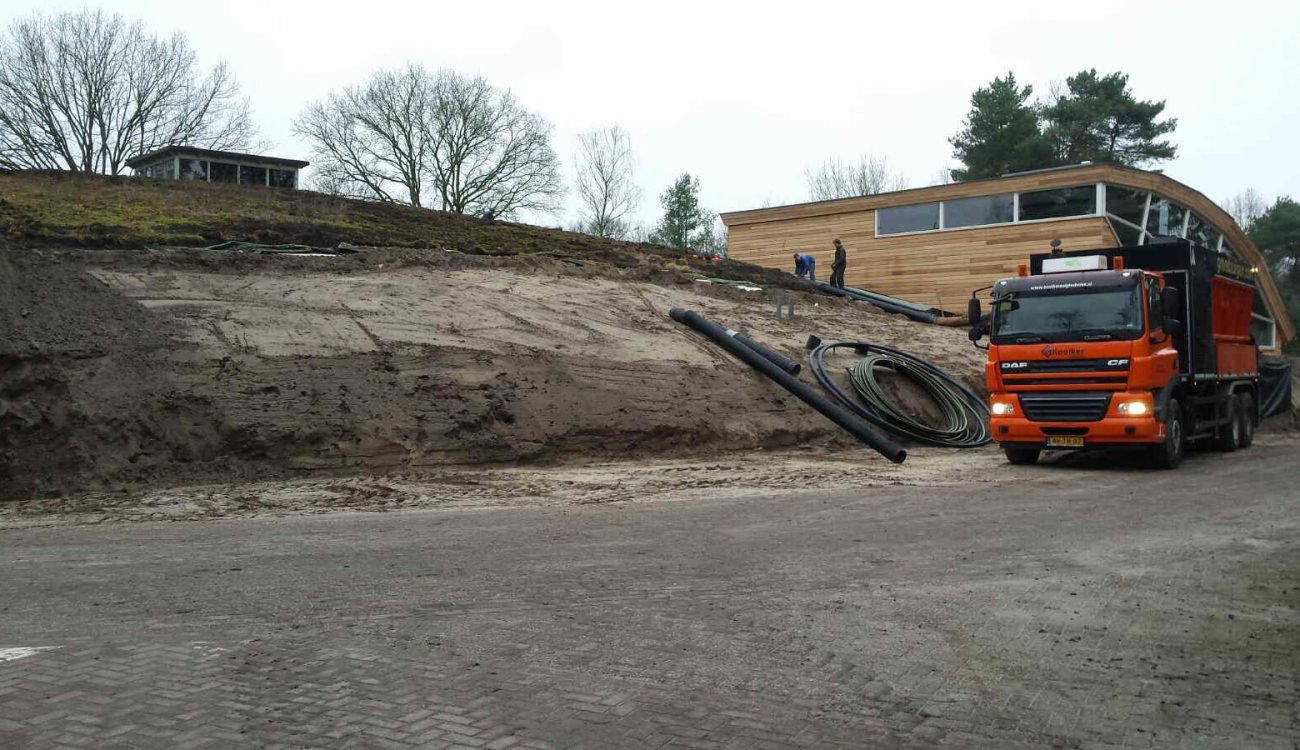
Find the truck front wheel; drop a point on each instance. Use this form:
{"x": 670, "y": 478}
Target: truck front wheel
{"x": 1021, "y": 456}
{"x": 1169, "y": 454}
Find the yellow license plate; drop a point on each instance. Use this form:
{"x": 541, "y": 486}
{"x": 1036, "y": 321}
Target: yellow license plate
{"x": 1065, "y": 441}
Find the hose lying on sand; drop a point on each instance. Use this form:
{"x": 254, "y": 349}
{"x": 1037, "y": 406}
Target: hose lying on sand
{"x": 898, "y": 308}
{"x": 855, "y": 426}
{"x": 964, "y": 416}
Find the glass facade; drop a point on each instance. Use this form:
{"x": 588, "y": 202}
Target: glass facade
{"x": 204, "y": 170}
{"x": 1200, "y": 232}
{"x": 1264, "y": 331}
{"x": 922, "y": 217}
{"x": 285, "y": 178}
{"x": 252, "y": 175}
{"x": 1059, "y": 203}
{"x": 222, "y": 172}
{"x": 194, "y": 169}
{"x": 1124, "y": 203}
{"x": 1165, "y": 218}
{"x": 161, "y": 170}
{"x": 1126, "y": 233}
{"x": 972, "y": 212}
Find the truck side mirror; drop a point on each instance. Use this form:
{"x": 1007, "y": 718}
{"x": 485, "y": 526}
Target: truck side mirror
{"x": 1169, "y": 300}
{"x": 973, "y": 316}
{"x": 1173, "y": 326}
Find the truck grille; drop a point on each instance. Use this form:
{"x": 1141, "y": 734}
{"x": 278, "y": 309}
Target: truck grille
{"x": 1084, "y": 406}
{"x": 1065, "y": 365}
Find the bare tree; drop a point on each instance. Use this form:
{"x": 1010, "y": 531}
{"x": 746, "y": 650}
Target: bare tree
{"x": 85, "y": 91}
{"x": 489, "y": 154}
{"x": 839, "y": 179}
{"x": 607, "y": 190}
{"x": 942, "y": 176}
{"x": 433, "y": 139}
{"x": 372, "y": 141}
{"x": 1246, "y": 207}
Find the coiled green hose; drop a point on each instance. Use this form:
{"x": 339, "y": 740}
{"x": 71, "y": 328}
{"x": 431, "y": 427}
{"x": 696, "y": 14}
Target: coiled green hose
{"x": 964, "y": 421}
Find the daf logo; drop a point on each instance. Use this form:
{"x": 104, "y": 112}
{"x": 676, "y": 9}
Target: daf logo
{"x": 1014, "y": 365}
{"x": 1116, "y": 362}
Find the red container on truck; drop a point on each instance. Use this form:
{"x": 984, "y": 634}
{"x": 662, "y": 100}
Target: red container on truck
{"x": 1136, "y": 347}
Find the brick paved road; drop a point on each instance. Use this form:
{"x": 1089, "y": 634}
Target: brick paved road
{"x": 1083, "y": 607}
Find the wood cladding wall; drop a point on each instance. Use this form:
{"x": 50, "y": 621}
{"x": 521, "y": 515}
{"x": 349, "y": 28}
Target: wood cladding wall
{"x": 941, "y": 268}
{"x": 934, "y": 268}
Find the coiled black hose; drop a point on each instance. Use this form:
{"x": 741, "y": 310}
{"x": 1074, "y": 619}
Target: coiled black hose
{"x": 965, "y": 416}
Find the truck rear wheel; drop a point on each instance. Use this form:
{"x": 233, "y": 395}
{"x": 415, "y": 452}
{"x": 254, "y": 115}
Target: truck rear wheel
{"x": 1169, "y": 454}
{"x": 1021, "y": 456}
{"x": 1246, "y": 411}
{"x": 1227, "y": 436}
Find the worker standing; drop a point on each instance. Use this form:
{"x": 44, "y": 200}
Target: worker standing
{"x": 837, "y": 267}
{"x": 805, "y": 264}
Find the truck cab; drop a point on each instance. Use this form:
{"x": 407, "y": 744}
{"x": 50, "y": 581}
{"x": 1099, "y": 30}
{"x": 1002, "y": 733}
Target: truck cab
{"x": 1142, "y": 348}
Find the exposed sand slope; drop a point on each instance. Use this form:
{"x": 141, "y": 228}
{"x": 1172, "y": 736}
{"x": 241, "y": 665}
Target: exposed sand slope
{"x": 178, "y": 366}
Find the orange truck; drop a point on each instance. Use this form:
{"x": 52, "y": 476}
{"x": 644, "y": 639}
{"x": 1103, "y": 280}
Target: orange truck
{"x": 1145, "y": 348}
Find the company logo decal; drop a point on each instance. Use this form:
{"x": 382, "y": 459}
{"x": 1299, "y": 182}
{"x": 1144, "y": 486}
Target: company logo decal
{"x": 1066, "y": 351}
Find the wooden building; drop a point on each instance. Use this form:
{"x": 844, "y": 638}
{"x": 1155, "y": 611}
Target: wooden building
{"x": 205, "y": 165}
{"x": 936, "y": 245}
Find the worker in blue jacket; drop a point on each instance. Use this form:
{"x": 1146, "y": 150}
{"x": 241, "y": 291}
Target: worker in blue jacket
{"x": 805, "y": 263}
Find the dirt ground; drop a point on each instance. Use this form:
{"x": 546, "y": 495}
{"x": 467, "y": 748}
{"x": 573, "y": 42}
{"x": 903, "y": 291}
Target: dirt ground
{"x": 135, "y": 369}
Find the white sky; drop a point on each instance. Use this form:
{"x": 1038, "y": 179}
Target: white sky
{"x": 746, "y": 95}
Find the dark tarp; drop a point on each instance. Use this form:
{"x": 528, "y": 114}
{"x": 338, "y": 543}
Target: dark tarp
{"x": 1274, "y": 386}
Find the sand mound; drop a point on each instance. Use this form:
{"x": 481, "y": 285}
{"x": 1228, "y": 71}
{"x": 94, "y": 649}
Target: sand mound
{"x": 181, "y": 366}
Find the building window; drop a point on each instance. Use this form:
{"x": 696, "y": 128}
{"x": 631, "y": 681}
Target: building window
{"x": 922, "y": 217}
{"x": 1200, "y": 232}
{"x": 970, "y": 212}
{"x": 252, "y": 175}
{"x": 1129, "y": 205}
{"x": 194, "y": 169}
{"x": 1164, "y": 219}
{"x": 1127, "y": 234}
{"x": 161, "y": 170}
{"x": 223, "y": 172}
{"x": 1058, "y": 204}
{"x": 1264, "y": 331}
{"x": 284, "y": 178}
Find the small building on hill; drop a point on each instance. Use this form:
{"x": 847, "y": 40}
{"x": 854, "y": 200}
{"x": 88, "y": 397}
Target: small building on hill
{"x": 936, "y": 245}
{"x": 187, "y": 163}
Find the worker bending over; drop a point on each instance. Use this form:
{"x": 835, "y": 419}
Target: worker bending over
{"x": 805, "y": 264}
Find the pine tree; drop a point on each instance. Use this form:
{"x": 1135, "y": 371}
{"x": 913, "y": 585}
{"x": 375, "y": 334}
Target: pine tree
{"x": 1097, "y": 119}
{"x": 1001, "y": 133}
{"x": 685, "y": 225}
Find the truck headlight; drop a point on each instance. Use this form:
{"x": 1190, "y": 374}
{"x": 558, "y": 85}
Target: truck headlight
{"x": 1002, "y": 408}
{"x": 1133, "y": 408}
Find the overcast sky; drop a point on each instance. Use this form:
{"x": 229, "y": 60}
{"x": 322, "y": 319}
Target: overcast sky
{"x": 746, "y": 95}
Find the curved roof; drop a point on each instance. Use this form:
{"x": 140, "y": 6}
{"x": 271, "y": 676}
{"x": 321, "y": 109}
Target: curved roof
{"x": 1155, "y": 182}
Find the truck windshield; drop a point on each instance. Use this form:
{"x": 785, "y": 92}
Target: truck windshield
{"x": 1103, "y": 314}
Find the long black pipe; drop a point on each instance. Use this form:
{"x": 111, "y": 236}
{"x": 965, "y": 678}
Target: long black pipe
{"x": 851, "y": 423}
{"x": 785, "y": 363}
{"x": 920, "y": 317}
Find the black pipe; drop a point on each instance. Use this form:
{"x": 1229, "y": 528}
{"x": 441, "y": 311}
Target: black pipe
{"x": 920, "y": 317}
{"x": 851, "y": 423}
{"x": 785, "y": 363}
